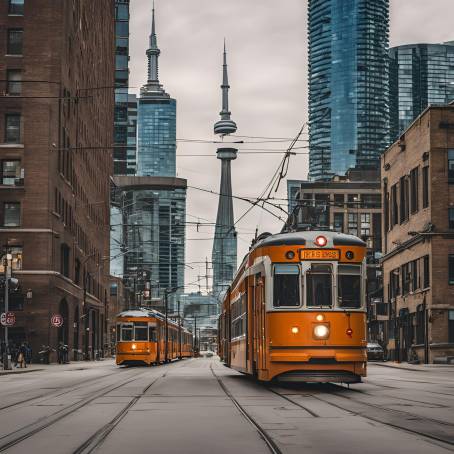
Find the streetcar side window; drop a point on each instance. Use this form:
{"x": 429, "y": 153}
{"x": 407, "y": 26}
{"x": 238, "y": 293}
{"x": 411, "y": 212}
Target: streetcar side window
{"x": 286, "y": 286}
{"x": 349, "y": 286}
{"x": 118, "y": 333}
{"x": 126, "y": 332}
{"x": 319, "y": 284}
{"x": 140, "y": 331}
{"x": 152, "y": 334}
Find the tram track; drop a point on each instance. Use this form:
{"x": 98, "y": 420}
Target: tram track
{"x": 13, "y": 438}
{"x": 97, "y": 439}
{"x": 51, "y": 395}
{"x": 270, "y": 443}
{"x": 396, "y": 419}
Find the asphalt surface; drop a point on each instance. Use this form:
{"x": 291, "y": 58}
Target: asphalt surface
{"x": 199, "y": 406}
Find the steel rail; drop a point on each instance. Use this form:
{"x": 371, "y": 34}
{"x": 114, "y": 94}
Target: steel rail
{"x": 33, "y": 428}
{"x": 271, "y": 444}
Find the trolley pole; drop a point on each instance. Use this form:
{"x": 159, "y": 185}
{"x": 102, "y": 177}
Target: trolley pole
{"x": 179, "y": 329}
{"x": 166, "y": 310}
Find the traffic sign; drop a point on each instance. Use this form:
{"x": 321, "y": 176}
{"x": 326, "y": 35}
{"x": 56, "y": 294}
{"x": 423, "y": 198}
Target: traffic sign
{"x": 56, "y": 320}
{"x": 8, "y": 319}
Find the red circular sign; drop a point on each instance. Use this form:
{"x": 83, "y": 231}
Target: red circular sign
{"x": 8, "y": 319}
{"x": 56, "y": 320}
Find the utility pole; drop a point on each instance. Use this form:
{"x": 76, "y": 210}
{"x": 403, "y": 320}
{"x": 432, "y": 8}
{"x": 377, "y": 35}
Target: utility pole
{"x": 166, "y": 310}
{"x": 195, "y": 333}
{"x": 179, "y": 329}
{"x": 6, "y": 364}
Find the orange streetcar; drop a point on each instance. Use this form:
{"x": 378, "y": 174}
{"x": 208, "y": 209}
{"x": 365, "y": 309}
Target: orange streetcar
{"x": 142, "y": 337}
{"x": 296, "y": 309}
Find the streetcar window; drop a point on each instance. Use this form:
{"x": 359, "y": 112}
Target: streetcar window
{"x": 118, "y": 333}
{"x": 319, "y": 286}
{"x": 126, "y": 332}
{"x": 286, "y": 285}
{"x": 349, "y": 286}
{"x": 153, "y": 334}
{"x": 140, "y": 331}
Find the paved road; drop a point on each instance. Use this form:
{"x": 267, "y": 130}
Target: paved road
{"x": 199, "y": 406}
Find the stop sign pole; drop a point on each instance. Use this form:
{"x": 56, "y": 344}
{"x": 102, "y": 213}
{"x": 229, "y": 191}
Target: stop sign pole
{"x": 7, "y": 264}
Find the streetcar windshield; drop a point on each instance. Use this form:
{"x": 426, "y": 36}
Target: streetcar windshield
{"x": 126, "y": 332}
{"x": 286, "y": 286}
{"x": 141, "y": 331}
{"x": 349, "y": 286}
{"x": 319, "y": 284}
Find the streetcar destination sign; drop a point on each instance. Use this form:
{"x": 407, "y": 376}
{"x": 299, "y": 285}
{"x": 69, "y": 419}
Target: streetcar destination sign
{"x": 319, "y": 254}
{"x": 8, "y": 319}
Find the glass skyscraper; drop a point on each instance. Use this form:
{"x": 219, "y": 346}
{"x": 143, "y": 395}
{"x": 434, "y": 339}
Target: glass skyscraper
{"x": 420, "y": 75}
{"x": 348, "y": 85}
{"x": 121, "y": 84}
{"x": 153, "y": 201}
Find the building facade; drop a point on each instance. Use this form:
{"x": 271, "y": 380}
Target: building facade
{"x": 131, "y": 154}
{"x": 154, "y": 213}
{"x": 54, "y": 195}
{"x": 348, "y": 85}
{"x": 418, "y": 233}
{"x": 420, "y": 75}
{"x": 122, "y": 85}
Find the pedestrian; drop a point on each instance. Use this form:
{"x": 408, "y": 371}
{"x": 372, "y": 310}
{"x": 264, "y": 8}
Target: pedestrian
{"x": 21, "y": 356}
{"x": 28, "y": 353}
{"x": 14, "y": 352}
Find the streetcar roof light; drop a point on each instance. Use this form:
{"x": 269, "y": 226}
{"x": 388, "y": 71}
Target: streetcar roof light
{"x": 321, "y": 241}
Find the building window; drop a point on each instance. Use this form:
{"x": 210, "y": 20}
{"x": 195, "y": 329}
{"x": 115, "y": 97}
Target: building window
{"x": 404, "y": 205}
{"x": 406, "y": 279}
{"x": 426, "y": 264}
{"x": 14, "y": 46}
{"x": 451, "y": 166}
{"x": 16, "y": 7}
{"x": 11, "y": 173}
{"x": 353, "y": 223}
{"x": 451, "y": 269}
{"x": 394, "y": 206}
{"x": 451, "y": 327}
{"x": 339, "y": 222}
{"x": 394, "y": 287}
{"x": 339, "y": 200}
{"x": 12, "y": 128}
{"x": 365, "y": 225}
{"x": 414, "y": 275}
{"x": 420, "y": 324}
{"x": 77, "y": 272}
{"x": 425, "y": 187}
{"x": 64, "y": 260}
{"x": 414, "y": 190}
{"x": 16, "y": 262}
{"x": 14, "y": 78}
{"x": 451, "y": 218}
{"x": 11, "y": 214}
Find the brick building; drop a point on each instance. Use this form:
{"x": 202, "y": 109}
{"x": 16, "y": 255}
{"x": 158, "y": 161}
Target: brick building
{"x": 57, "y": 63}
{"x": 418, "y": 238}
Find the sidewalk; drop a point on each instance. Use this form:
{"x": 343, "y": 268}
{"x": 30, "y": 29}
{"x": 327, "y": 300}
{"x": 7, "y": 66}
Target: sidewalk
{"x": 412, "y": 367}
{"x": 74, "y": 365}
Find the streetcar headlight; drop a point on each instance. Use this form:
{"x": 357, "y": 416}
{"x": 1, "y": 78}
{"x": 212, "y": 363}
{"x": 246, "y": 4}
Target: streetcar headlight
{"x": 321, "y": 331}
{"x": 133, "y": 346}
{"x": 295, "y": 330}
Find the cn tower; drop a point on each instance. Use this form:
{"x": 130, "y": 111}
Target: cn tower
{"x": 224, "y": 255}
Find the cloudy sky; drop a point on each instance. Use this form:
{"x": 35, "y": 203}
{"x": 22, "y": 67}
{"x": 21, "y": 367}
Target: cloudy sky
{"x": 267, "y": 53}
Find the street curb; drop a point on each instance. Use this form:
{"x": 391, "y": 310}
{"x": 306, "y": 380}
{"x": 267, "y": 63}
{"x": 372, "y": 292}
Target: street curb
{"x": 14, "y": 372}
{"x": 413, "y": 369}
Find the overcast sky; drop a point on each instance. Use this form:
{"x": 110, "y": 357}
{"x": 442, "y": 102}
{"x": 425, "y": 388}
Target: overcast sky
{"x": 267, "y": 57}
